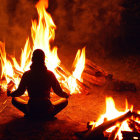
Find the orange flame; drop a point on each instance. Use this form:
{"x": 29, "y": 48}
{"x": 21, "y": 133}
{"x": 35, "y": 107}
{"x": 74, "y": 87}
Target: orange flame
{"x": 111, "y": 113}
{"x": 79, "y": 64}
{"x": 42, "y": 32}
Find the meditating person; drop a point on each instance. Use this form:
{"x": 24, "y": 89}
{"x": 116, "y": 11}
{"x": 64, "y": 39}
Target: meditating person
{"x": 38, "y": 81}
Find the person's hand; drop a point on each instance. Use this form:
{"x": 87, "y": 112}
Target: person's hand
{"x": 8, "y": 93}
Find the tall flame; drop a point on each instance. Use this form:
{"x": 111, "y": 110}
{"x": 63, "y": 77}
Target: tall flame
{"x": 79, "y": 64}
{"x": 7, "y": 70}
{"x": 42, "y": 33}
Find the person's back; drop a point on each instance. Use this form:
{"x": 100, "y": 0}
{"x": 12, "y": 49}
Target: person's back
{"x": 39, "y": 84}
{"x": 38, "y": 81}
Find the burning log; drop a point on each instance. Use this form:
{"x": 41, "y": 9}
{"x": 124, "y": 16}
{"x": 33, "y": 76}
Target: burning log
{"x": 17, "y": 72}
{"x": 10, "y": 87}
{"x": 135, "y": 126}
{"x": 136, "y": 115}
{"x": 114, "y": 133}
{"x": 83, "y": 87}
{"x": 63, "y": 71}
{"x": 65, "y": 74}
{"x": 98, "y": 131}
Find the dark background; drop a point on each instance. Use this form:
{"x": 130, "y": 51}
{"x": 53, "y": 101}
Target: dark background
{"x": 108, "y": 28}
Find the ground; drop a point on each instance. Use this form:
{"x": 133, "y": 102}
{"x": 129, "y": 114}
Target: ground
{"x": 81, "y": 109}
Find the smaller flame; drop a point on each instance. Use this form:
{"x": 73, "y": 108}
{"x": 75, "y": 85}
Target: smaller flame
{"x": 111, "y": 113}
{"x": 7, "y": 70}
{"x": 79, "y": 64}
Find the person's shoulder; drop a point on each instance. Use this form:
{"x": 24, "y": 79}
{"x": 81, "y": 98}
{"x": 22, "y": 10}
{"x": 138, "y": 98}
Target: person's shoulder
{"x": 50, "y": 72}
{"x": 26, "y": 73}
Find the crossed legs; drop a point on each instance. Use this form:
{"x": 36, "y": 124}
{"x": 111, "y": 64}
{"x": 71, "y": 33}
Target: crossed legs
{"x": 22, "y": 105}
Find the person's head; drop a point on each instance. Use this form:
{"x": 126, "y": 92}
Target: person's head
{"x": 38, "y": 56}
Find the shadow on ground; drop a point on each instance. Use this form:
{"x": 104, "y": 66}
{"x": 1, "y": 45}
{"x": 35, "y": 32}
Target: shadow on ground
{"x": 23, "y": 129}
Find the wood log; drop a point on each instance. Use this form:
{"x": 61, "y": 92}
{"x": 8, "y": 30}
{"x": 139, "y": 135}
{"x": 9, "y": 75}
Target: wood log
{"x": 65, "y": 74}
{"x": 17, "y": 72}
{"x": 135, "y": 126}
{"x": 92, "y": 71}
{"x": 100, "y": 81}
{"x": 114, "y": 133}
{"x": 10, "y": 85}
{"x": 136, "y": 115}
{"x": 95, "y": 67}
{"x": 97, "y": 131}
{"x": 62, "y": 71}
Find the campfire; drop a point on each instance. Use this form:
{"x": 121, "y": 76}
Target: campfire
{"x": 42, "y": 33}
{"x": 113, "y": 124}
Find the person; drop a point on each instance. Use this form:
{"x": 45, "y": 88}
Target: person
{"x": 38, "y": 81}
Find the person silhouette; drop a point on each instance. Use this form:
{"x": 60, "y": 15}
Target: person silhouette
{"x": 38, "y": 81}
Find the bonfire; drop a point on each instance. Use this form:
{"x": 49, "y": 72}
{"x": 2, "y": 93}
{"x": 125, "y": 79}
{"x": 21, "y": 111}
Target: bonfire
{"x": 113, "y": 124}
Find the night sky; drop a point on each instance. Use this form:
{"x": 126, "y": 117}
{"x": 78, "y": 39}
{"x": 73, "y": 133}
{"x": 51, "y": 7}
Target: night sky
{"x": 105, "y": 27}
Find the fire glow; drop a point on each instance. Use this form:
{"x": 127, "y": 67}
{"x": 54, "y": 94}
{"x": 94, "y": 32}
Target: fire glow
{"x": 42, "y": 32}
{"x": 112, "y": 113}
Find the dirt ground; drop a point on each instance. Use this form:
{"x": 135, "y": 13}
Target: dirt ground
{"x": 81, "y": 109}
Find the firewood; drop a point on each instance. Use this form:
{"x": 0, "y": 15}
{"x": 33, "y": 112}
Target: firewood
{"x": 19, "y": 73}
{"x": 97, "y": 131}
{"x": 94, "y": 72}
{"x": 10, "y": 85}
{"x": 100, "y": 81}
{"x": 114, "y": 133}
{"x": 62, "y": 70}
{"x": 136, "y": 115}
{"x": 135, "y": 126}
{"x": 83, "y": 87}
{"x": 95, "y": 67}
{"x": 65, "y": 74}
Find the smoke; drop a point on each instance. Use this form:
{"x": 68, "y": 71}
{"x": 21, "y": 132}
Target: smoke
{"x": 15, "y": 23}
{"x": 96, "y": 24}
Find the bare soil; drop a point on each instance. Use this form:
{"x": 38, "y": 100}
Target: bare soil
{"x": 81, "y": 109}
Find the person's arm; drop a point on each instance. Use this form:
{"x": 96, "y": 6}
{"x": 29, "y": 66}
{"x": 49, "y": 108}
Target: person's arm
{"x": 21, "y": 88}
{"x": 57, "y": 89}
